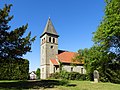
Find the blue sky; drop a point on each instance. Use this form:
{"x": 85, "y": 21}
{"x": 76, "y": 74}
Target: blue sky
{"x": 74, "y": 21}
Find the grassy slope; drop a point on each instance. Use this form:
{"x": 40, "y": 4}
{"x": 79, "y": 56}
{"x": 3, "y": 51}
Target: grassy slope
{"x": 87, "y": 85}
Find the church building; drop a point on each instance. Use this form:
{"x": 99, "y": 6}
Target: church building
{"x": 53, "y": 60}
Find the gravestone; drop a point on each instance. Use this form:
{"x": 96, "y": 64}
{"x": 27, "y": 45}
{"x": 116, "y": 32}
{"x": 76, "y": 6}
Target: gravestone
{"x": 96, "y": 76}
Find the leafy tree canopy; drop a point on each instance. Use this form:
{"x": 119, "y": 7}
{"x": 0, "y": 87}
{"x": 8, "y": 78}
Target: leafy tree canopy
{"x": 104, "y": 56}
{"x": 38, "y": 73}
{"x": 108, "y": 34}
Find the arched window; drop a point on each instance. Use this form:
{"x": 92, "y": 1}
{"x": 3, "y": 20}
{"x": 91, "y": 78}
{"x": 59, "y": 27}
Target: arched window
{"x": 81, "y": 70}
{"x": 49, "y": 39}
{"x": 71, "y": 69}
{"x": 53, "y": 40}
{"x": 44, "y": 40}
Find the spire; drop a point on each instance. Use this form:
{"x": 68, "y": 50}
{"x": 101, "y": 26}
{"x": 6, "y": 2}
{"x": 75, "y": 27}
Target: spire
{"x": 49, "y": 29}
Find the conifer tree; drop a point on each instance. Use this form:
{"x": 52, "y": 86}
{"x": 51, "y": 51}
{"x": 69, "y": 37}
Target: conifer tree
{"x": 12, "y": 43}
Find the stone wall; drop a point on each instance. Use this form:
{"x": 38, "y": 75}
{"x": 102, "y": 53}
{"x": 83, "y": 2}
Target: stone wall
{"x": 71, "y": 68}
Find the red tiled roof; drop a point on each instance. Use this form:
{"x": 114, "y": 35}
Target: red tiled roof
{"x": 67, "y": 57}
{"x": 54, "y": 62}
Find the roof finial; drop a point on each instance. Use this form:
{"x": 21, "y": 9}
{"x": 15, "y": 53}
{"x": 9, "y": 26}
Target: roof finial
{"x": 49, "y": 17}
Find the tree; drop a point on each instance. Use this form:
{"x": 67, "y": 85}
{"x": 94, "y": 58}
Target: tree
{"x": 107, "y": 38}
{"x": 95, "y": 59}
{"x": 38, "y": 73}
{"x": 108, "y": 33}
{"x": 12, "y": 43}
{"x": 91, "y": 60}
{"x": 104, "y": 56}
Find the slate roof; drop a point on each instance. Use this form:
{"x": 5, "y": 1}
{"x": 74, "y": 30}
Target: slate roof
{"x": 49, "y": 29}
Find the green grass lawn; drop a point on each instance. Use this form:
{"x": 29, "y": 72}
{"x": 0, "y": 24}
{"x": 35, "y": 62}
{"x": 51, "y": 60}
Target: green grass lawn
{"x": 57, "y": 85}
{"x": 88, "y": 85}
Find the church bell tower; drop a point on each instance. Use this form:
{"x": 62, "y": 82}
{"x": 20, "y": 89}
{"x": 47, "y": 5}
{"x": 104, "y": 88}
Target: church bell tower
{"x": 49, "y": 48}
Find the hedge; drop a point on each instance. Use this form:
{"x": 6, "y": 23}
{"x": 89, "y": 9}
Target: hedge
{"x": 68, "y": 75}
{"x": 14, "y": 69}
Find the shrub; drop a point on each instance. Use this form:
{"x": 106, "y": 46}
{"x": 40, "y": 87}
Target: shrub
{"x": 68, "y": 75}
{"x": 76, "y": 76}
{"x": 55, "y": 75}
{"x": 64, "y": 82}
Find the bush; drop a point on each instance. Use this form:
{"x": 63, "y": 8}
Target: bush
{"x": 55, "y": 75}
{"x": 14, "y": 69}
{"x": 76, "y": 76}
{"x": 68, "y": 75}
{"x": 64, "y": 82}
